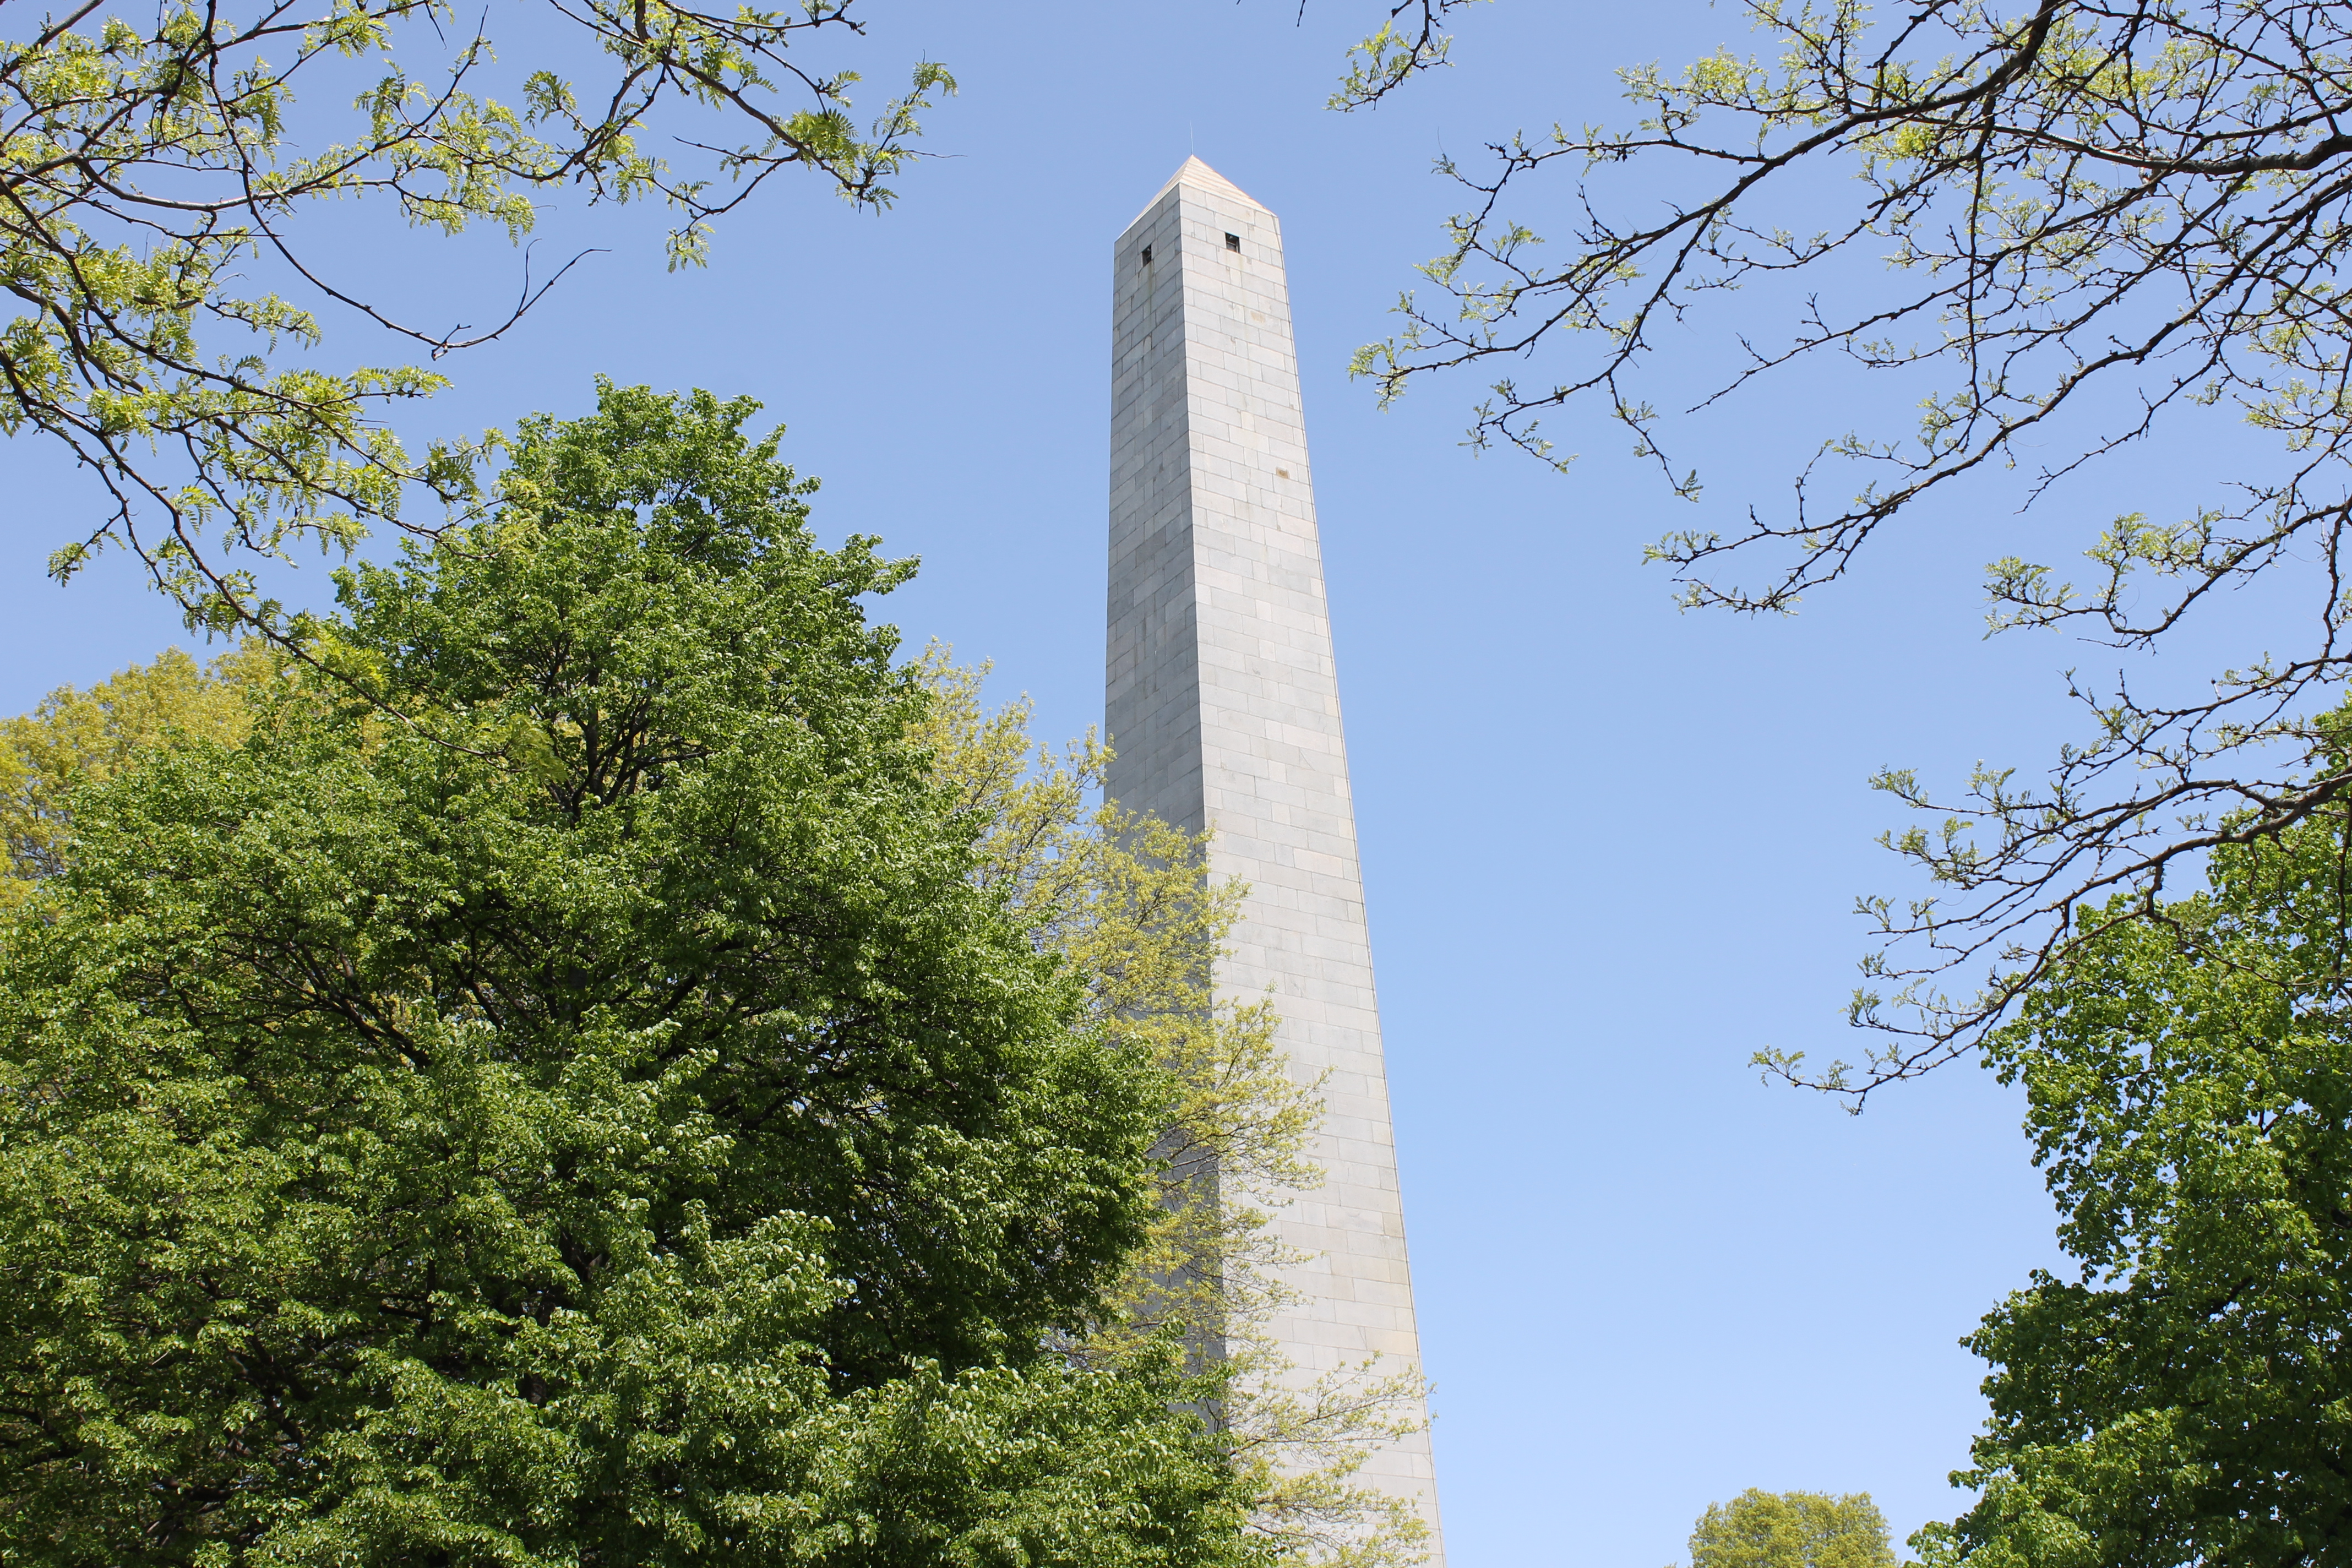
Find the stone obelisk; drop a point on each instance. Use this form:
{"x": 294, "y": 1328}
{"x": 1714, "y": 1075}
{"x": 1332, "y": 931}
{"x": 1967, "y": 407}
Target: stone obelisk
{"x": 1224, "y": 711}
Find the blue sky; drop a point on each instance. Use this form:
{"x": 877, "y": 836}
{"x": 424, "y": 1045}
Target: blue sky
{"x": 1609, "y": 849}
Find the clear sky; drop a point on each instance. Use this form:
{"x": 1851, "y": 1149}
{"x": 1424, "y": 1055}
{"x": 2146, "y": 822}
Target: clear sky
{"x": 1610, "y": 849}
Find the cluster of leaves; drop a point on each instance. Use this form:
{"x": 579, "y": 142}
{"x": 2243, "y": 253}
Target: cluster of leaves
{"x": 2185, "y": 1400}
{"x": 2105, "y": 221}
{"x": 1393, "y": 56}
{"x": 144, "y": 165}
{"x": 584, "y": 1103}
{"x": 1791, "y": 1530}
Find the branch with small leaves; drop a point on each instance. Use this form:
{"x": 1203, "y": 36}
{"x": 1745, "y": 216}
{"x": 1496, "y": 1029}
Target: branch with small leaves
{"x": 2102, "y": 222}
{"x": 143, "y": 166}
{"x": 1394, "y": 54}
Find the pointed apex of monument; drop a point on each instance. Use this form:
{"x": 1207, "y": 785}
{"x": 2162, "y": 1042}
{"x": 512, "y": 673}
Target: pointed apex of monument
{"x": 1199, "y": 175}
{"x": 1196, "y": 172}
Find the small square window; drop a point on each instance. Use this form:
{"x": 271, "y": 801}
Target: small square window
{"x": 1232, "y": 242}
{"x": 1147, "y": 256}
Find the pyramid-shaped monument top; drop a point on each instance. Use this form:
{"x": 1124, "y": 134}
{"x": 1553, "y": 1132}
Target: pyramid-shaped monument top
{"x": 1197, "y": 173}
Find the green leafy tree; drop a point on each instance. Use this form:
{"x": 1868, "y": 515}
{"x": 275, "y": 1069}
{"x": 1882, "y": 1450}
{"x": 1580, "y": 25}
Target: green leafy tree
{"x": 2185, "y": 1398}
{"x": 152, "y": 168}
{"x": 2074, "y": 226}
{"x": 1791, "y": 1530}
{"x": 75, "y": 738}
{"x": 1126, "y": 903}
{"x": 581, "y": 1104}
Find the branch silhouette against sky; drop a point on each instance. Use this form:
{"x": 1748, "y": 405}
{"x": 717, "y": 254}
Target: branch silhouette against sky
{"x": 2102, "y": 224}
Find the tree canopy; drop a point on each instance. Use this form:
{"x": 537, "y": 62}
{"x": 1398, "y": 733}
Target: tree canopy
{"x": 578, "y": 1104}
{"x": 1106, "y": 918}
{"x": 1791, "y": 1530}
{"x": 2075, "y": 226}
{"x": 76, "y": 738}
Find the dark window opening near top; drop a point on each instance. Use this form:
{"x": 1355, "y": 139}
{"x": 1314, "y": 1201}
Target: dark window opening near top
{"x": 1232, "y": 242}
{"x": 1147, "y": 256}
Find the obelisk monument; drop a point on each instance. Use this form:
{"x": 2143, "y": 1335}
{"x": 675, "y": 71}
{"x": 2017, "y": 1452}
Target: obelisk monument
{"x": 1223, "y": 711}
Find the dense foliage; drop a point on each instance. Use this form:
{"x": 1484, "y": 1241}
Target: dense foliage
{"x": 76, "y": 737}
{"x": 579, "y": 1105}
{"x": 1791, "y": 1530}
{"x": 2185, "y": 1399}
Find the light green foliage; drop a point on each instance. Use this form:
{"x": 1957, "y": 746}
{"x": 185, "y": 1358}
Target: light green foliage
{"x": 1126, "y": 901}
{"x": 2062, "y": 229}
{"x": 1393, "y": 55}
{"x": 581, "y": 1104}
{"x": 1791, "y": 1530}
{"x": 148, "y": 167}
{"x": 75, "y": 738}
{"x": 2186, "y": 1399}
